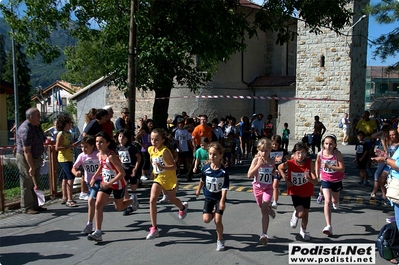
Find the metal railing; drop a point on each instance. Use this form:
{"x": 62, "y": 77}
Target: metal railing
{"x": 50, "y": 180}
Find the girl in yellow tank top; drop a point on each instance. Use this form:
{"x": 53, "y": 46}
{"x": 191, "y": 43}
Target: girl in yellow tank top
{"x": 164, "y": 175}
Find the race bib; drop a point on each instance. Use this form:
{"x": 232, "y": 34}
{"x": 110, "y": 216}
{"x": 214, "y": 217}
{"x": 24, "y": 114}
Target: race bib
{"x": 359, "y": 149}
{"x": 298, "y": 178}
{"x": 214, "y": 185}
{"x": 330, "y": 163}
{"x": 155, "y": 161}
{"x": 265, "y": 175}
{"x": 108, "y": 174}
{"x": 124, "y": 156}
{"x": 90, "y": 167}
{"x": 277, "y": 156}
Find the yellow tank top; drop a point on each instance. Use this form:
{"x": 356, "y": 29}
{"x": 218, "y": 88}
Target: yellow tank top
{"x": 166, "y": 178}
{"x": 65, "y": 155}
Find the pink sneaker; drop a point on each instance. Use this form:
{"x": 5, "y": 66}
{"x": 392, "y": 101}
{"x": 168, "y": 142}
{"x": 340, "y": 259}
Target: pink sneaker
{"x": 182, "y": 214}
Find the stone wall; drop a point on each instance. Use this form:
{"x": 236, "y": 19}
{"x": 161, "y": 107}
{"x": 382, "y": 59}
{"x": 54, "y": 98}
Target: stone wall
{"x": 342, "y": 77}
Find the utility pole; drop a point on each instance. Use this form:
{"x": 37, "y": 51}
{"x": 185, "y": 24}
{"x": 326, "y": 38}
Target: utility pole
{"x": 132, "y": 63}
{"x": 15, "y": 81}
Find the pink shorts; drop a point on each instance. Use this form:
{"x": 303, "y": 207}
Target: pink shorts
{"x": 262, "y": 195}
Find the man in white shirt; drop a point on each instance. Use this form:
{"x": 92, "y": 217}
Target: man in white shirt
{"x": 345, "y": 128}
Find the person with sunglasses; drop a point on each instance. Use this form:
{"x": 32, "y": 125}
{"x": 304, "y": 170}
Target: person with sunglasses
{"x": 123, "y": 121}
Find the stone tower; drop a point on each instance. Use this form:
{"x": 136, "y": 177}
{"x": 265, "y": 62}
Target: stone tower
{"x": 331, "y": 66}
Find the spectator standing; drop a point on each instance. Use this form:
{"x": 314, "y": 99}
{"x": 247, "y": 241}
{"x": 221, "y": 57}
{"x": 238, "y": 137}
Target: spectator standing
{"x": 318, "y": 130}
{"x": 123, "y": 121}
{"x": 202, "y": 130}
{"x": 285, "y": 137}
{"x": 94, "y": 126}
{"x": 30, "y": 139}
{"x": 91, "y": 115}
{"x": 268, "y": 127}
{"x": 345, "y": 128}
{"x": 108, "y": 126}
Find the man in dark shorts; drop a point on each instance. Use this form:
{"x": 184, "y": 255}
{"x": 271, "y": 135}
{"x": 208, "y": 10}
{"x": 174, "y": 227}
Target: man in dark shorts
{"x": 318, "y": 130}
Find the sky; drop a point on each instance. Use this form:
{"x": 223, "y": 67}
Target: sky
{"x": 375, "y": 30}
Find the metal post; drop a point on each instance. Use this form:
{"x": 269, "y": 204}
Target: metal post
{"x": 14, "y": 71}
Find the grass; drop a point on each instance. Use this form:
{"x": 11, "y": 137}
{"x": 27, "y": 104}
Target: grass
{"x": 12, "y": 194}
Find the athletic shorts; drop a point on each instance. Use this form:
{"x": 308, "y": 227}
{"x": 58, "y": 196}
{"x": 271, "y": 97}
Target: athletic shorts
{"x": 301, "y": 201}
{"x": 118, "y": 194}
{"x": 262, "y": 195}
{"x": 186, "y": 154}
{"x": 333, "y": 186}
{"x": 210, "y": 204}
{"x": 167, "y": 183}
{"x": 128, "y": 177}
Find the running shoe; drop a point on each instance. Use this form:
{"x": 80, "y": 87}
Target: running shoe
{"x": 272, "y": 213}
{"x": 220, "y": 245}
{"x": 128, "y": 211}
{"x": 95, "y": 236}
{"x": 360, "y": 182}
{"x": 153, "y": 233}
{"x": 263, "y": 239}
{"x": 88, "y": 229}
{"x": 335, "y": 206}
{"x": 83, "y": 196}
{"x": 144, "y": 177}
{"x": 390, "y": 219}
{"x": 372, "y": 196}
{"x": 135, "y": 205}
{"x": 320, "y": 199}
{"x": 165, "y": 199}
{"x": 274, "y": 205}
{"x": 305, "y": 235}
{"x": 294, "y": 220}
{"x": 182, "y": 214}
{"x": 328, "y": 230}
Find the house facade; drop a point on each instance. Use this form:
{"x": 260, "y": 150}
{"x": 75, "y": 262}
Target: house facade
{"x": 54, "y": 99}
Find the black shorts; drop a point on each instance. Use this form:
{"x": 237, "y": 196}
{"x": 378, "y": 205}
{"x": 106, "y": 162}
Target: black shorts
{"x": 316, "y": 140}
{"x": 128, "y": 177}
{"x": 118, "y": 194}
{"x": 145, "y": 161}
{"x": 333, "y": 186}
{"x": 186, "y": 154}
{"x": 209, "y": 204}
{"x": 362, "y": 164}
{"x": 298, "y": 201}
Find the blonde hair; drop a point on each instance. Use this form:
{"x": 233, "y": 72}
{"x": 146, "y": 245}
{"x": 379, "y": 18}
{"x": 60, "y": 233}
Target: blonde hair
{"x": 218, "y": 147}
{"x": 264, "y": 142}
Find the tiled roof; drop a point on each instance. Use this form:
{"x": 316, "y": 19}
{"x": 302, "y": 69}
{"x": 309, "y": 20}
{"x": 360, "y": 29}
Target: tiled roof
{"x": 263, "y": 81}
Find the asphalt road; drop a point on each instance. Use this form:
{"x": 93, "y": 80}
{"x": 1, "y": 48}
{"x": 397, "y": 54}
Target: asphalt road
{"x": 54, "y": 237}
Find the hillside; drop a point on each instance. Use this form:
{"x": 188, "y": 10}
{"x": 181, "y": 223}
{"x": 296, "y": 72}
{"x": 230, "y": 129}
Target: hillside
{"x": 42, "y": 74}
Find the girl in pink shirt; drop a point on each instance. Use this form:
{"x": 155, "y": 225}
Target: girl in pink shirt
{"x": 330, "y": 169}
{"x": 262, "y": 170}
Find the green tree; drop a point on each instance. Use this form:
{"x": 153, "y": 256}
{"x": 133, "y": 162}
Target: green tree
{"x": 23, "y": 83}
{"x": 3, "y": 56}
{"x": 387, "y": 12}
{"x": 171, "y": 35}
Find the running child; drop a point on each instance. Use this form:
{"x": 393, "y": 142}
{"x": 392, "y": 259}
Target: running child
{"x": 361, "y": 158}
{"x": 215, "y": 184}
{"x": 89, "y": 161}
{"x": 164, "y": 175}
{"x": 300, "y": 180}
{"x": 262, "y": 170}
{"x": 201, "y": 155}
{"x": 112, "y": 173}
{"x": 330, "y": 169}
{"x": 130, "y": 158}
{"x": 279, "y": 155}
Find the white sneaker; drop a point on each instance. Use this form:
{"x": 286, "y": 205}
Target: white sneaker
{"x": 335, "y": 206}
{"x": 83, "y": 195}
{"x": 144, "y": 177}
{"x": 263, "y": 239}
{"x": 328, "y": 230}
{"x": 294, "y": 220}
{"x": 305, "y": 235}
{"x": 272, "y": 213}
{"x": 165, "y": 199}
{"x": 220, "y": 245}
{"x": 135, "y": 203}
{"x": 95, "y": 236}
{"x": 274, "y": 205}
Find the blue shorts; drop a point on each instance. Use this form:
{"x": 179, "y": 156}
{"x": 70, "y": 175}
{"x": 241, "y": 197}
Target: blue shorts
{"x": 66, "y": 169}
{"x": 333, "y": 186}
{"x": 94, "y": 189}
